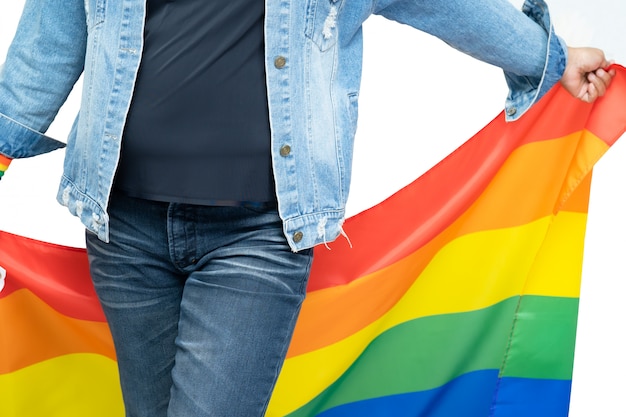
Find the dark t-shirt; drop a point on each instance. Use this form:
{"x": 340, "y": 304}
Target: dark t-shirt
{"x": 198, "y": 126}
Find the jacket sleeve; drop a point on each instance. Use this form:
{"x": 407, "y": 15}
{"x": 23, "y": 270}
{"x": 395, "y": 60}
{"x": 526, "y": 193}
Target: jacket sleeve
{"x": 522, "y": 43}
{"x": 44, "y": 61}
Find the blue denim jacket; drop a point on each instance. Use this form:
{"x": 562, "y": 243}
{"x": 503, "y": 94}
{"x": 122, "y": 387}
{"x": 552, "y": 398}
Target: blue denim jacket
{"x": 313, "y": 66}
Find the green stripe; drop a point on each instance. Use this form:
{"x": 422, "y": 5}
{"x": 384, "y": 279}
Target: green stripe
{"x": 428, "y": 352}
{"x": 545, "y": 331}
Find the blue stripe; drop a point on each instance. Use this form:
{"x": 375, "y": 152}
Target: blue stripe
{"x": 523, "y": 397}
{"x": 470, "y": 395}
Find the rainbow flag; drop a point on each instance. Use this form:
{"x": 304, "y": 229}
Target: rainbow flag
{"x": 458, "y": 297}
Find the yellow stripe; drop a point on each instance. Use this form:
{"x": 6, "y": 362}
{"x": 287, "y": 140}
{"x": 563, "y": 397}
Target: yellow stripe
{"x": 557, "y": 269}
{"x": 472, "y": 272}
{"x": 81, "y": 385}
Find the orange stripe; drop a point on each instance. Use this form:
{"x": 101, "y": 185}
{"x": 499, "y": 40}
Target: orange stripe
{"x": 27, "y": 321}
{"x": 5, "y": 160}
{"x": 578, "y": 202}
{"x": 535, "y": 182}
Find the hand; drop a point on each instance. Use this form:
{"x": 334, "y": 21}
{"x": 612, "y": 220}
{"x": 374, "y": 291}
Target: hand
{"x": 586, "y": 76}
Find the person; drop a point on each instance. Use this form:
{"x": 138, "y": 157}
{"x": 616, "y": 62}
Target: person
{"x": 212, "y": 152}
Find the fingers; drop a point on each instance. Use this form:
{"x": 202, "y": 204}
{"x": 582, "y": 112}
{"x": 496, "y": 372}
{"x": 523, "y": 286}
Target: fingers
{"x": 599, "y": 80}
{"x": 591, "y": 94}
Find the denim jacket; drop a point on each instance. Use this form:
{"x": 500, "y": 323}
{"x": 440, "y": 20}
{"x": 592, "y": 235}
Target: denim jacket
{"x": 313, "y": 54}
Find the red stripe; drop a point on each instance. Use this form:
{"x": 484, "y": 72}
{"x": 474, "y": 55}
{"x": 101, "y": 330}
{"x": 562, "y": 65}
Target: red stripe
{"x": 56, "y": 274}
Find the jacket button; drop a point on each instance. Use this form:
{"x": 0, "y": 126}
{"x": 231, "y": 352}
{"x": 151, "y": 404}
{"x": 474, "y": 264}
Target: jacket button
{"x": 297, "y": 237}
{"x": 280, "y": 62}
{"x": 285, "y": 150}
{"x": 511, "y": 111}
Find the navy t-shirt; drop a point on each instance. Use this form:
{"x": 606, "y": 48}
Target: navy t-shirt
{"x": 198, "y": 126}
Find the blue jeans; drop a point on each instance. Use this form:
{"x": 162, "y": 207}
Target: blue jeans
{"x": 201, "y": 302}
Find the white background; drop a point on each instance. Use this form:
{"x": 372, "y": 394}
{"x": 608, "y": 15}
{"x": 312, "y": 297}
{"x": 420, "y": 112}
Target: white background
{"x": 419, "y": 101}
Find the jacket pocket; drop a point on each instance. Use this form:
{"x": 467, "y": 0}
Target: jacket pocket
{"x": 95, "y": 11}
{"x": 321, "y": 22}
{"x": 353, "y": 111}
